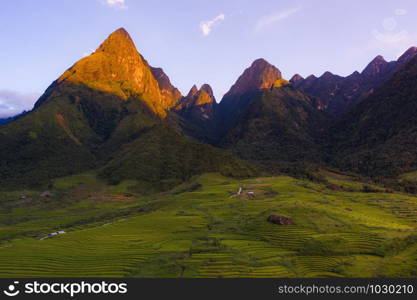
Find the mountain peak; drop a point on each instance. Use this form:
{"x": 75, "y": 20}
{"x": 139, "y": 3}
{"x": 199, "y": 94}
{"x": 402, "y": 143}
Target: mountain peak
{"x": 408, "y": 54}
{"x": 205, "y": 95}
{"x": 200, "y": 96}
{"x": 193, "y": 91}
{"x": 379, "y": 58}
{"x": 311, "y": 77}
{"x": 207, "y": 88}
{"x": 260, "y": 75}
{"x": 170, "y": 94}
{"x": 198, "y": 103}
{"x": 121, "y": 30}
{"x": 260, "y": 62}
{"x": 354, "y": 76}
{"x": 375, "y": 67}
{"x": 119, "y": 42}
{"x": 296, "y": 78}
{"x": 327, "y": 74}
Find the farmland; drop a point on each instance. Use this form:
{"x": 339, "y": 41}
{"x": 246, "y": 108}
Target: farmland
{"x": 202, "y": 228}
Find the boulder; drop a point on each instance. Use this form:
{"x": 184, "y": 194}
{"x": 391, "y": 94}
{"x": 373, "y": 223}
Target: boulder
{"x": 280, "y": 220}
{"x": 46, "y": 194}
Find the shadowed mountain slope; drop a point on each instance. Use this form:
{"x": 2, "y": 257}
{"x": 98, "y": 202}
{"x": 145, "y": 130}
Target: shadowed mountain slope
{"x": 379, "y": 136}
{"x": 279, "y": 124}
{"x": 339, "y": 94}
{"x": 259, "y": 76}
{"x": 195, "y": 114}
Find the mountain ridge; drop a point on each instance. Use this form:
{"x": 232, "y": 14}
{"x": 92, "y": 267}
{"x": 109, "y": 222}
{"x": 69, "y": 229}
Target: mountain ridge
{"x": 380, "y": 133}
{"x": 104, "y": 104}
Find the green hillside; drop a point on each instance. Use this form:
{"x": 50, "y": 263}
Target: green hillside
{"x": 161, "y": 158}
{"x": 379, "y": 136}
{"x": 80, "y": 124}
{"x": 202, "y": 229}
{"x": 280, "y": 124}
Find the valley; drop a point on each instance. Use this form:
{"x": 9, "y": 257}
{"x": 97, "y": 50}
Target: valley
{"x": 201, "y": 229}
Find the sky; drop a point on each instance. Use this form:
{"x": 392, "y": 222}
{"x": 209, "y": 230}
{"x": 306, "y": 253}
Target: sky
{"x": 198, "y": 41}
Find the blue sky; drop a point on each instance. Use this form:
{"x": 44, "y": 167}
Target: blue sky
{"x": 198, "y": 41}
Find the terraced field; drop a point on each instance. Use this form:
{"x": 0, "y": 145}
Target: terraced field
{"x": 204, "y": 229}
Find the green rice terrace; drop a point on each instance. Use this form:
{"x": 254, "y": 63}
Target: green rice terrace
{"x": 82, "y": 227}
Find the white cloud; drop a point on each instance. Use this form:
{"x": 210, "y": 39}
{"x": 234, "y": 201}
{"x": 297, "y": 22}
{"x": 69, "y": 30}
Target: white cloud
{"x": 120, "y": 4}
{"x": 206, "y": 26}
{"x": 276, "y": 17}
{"x": 13, "y": 103}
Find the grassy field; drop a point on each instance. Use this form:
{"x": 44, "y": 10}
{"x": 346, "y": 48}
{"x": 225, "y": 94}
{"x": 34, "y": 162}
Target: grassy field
{"x": 200, "y": 229}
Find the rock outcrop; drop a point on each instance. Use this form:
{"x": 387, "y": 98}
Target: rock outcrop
{"x": 199, "y": 103}
{"x": 280, "y": 220}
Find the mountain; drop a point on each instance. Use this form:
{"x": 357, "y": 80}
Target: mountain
{"x": 296, "y": 79}
{"x": 264, "y": 119}
{"x": 339, "y": 94}
{"x": 198, "y": 104}
{"x": 116, "y": 68}
{"x": 5, "y": 120}
{"x": 407, "y": 55}
{"x": 108, "y": 109}
{"x": 81, "y": 111}
{"x": 259, "y": 76}
{"x": 194, "y": 114}
{"x": 115, "y": 114}
{"x": 280, "y": 124}
{"x": 170, "y": 94}
{"x": 379, "y": 136}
